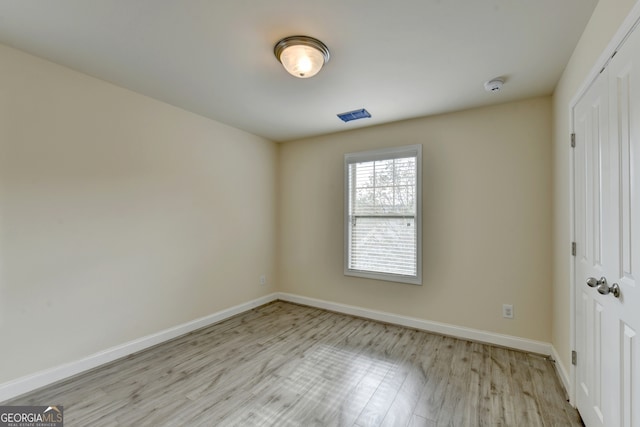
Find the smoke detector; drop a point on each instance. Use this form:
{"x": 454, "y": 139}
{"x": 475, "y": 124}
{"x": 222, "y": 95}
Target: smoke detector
{"x": 493, "y": 85}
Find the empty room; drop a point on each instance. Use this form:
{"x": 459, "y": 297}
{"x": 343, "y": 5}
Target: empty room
{"x": 319, "y": 213}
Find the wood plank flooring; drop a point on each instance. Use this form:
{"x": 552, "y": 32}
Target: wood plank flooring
{"x": 288, "y": 365}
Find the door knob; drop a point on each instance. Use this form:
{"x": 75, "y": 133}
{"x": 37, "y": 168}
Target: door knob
{"x": 593, "y": 282}
{"x": 614, "y": 289}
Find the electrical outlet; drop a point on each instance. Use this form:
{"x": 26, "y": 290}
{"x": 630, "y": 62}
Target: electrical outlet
{"x": 263, "y": 279}
{"x": 507, "y": 311}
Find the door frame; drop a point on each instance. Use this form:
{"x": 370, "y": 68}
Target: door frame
{"x": 621, "y": 34}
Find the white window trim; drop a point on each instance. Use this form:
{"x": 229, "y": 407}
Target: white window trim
{"x": 381, "y": 154}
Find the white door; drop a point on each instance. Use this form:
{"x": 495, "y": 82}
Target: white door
{"x": 593, "y": 311}
{"x": 607, "y": 230}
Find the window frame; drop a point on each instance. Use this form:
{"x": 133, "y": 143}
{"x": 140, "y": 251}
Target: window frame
{"x": 375, "y": 155}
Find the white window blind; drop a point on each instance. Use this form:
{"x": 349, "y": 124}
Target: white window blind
{"x": 382, "y": 218}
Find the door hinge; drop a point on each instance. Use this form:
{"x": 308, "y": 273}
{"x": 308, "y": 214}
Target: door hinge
{"x": 574, "y": 358}
{"x": 573, "y": 140}
{"x": 573, "y": 248}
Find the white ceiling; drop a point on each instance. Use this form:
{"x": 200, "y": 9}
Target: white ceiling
{"x": 398, "y": 59}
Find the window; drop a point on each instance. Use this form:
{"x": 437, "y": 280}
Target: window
{"x": 383, "y": 238}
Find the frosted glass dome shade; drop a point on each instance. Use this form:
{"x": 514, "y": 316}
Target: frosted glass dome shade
{"x": 301, "y": 56}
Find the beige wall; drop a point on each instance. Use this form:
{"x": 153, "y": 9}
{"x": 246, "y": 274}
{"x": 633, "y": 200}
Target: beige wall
{"x": 120, "y": 215}
{"x": 606, "y": 19}
{"x": 486, "y": 216}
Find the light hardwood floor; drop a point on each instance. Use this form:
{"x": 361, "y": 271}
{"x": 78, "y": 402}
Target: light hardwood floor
{"x": 288, "y": 365}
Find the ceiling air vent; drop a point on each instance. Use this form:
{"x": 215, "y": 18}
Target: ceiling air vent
{"x": 354, "y": 115}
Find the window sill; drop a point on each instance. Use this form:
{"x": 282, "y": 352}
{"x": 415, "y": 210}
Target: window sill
{"x": 387, "y": 277}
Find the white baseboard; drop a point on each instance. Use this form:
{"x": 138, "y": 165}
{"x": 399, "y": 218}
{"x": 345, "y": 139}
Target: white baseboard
{"x": 34, "y": 381}
{"x": 426, "y": 325}
{"x": 562, "y": 372}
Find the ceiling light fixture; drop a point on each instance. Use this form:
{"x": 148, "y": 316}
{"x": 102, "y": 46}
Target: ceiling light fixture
{"x": 301, "y": 56}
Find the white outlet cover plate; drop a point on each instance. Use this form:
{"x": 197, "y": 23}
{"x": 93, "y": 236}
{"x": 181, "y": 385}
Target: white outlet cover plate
{"x": 507, "y": 311}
